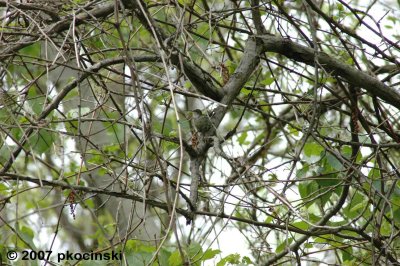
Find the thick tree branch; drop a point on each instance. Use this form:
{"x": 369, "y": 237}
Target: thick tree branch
{"x": 332, "y": 65}
{"x": 7, "y": 50}
{"x": 164, "y": 206}
{"x": 200, "y": 79}
{"x": 247, "y": 65}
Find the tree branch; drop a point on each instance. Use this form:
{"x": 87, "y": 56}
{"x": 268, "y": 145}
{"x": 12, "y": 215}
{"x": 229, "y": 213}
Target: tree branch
{"x": 247, "y": 65}
{"x": 332, "y": 65}
{"x": 7, "y": 50}
{"x": 200, "y": 79}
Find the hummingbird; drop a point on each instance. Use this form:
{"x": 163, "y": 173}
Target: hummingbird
{"x": 201, "y": 121}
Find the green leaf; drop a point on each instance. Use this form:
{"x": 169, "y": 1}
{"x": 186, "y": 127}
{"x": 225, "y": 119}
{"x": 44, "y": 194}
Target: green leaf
{"x": 175, "y": 259}
{"x": 359, "y": 206}
{"x": 375, "y": 173}
{"x": 329, "y": 180}
{"x": 95, "y": 157}
{"x": 112, "y": 148}
{"x": 32, "y": 50}
{"x": 72, "y": 94}
{"x": 27, "y": 234}
{"x": 267, "y": 81}
{"x": 386, "y": 228}
{"x": 246, "y": 260}
{"x": 163, "y": 256}
{"x": 138, "y": 252}
{"x": 242, "y": 138}
{"x": 41, "y": 141}
{"x": 356, "y": 201}
{"x": 301, "y": 225}
{"x": 17, "y": 132}
{"x": 396, "y": 215}
{"x": 312, "y": 149}
{"x": 323, "y": 239}
{"x": 293, "y": 131}
{"x": 334, "y": 162}
{"x": 210, "y": 253}
{"x": 4, "y": 154}
{"x": 314, "y": 218}
{"x": 195, "y": 252}
{"x": 232, "y": 259}
{"x": 347, "y": 151}
{"x": 4, "y": 190}
{"x": 306, "y": 190}
{"x": 301, "y": 173}
{"x": 350, "y": 61}
{"x": 281, "y": 247}
{"x": 36, "y": 100}
{"x": 308, "y": 245}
